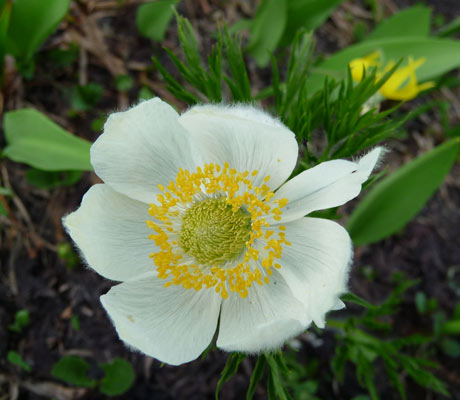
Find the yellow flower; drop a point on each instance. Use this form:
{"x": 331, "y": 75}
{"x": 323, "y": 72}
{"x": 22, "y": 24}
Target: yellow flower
{"x": 401, "y": 85}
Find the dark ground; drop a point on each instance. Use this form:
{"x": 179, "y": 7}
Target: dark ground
{"x": 32, "y": 277}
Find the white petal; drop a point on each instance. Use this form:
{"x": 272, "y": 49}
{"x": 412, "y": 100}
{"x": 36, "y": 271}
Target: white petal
{"x": 171, "y": 324}
{"x": 316, "y": 264}
{"x": 340, "y": 305}
{"x": 143, "y": 147}
{"x": 264, "y": 320}
{"x": 329, "y": 184}
{"x": 245, "y": 137}
{"x": 110, "y": 230}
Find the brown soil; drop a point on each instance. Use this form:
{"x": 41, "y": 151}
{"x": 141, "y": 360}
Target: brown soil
{"x": 32, "y": 276}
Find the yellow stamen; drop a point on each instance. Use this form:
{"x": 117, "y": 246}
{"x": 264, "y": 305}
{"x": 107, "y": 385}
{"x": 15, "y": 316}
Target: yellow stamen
{"x": 207, "y": 224}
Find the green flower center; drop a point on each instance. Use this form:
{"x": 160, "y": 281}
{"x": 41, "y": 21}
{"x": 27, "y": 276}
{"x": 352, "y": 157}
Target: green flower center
{"x": 213, "y": 233}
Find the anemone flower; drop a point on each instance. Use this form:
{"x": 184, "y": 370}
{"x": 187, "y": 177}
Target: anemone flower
{"x": 197, "y": 222}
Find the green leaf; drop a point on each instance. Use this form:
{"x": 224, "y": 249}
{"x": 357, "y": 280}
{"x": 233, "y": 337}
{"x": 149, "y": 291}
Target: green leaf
{"x": 413, "y": 21}
{"x": 238, "y": 81}
{"x": 119, "y": 377}
{"x": 21, "y": 320}
{"x": 395, "y": 200}
{"x": 353, "y": 298}
{"x": 35, "y": 140}
{"x": 67, "y": 254}
{"x": 64, "y": 57}
{"x": 274, "y": 377}
{"x": 240, "y": 25}
{"x": 3, "y": 210}
{"x": 85, "y": 97}
{"x": 145, "y": 93}
{"x": 97, "y": 124}
{"x": 450, "y": 347}
{"x": 451, "y": 327}
{"x": 231, "y": 367}
{"x": 266, "y": 30}
{"x": 441, "y": 55}
{"x": 72, "y": 370}
{"x": 152, "y": 19}
{"x": 31, "y": 23}
{"x": 395, "y": 379}
{"x": 306, "y": 14}
{"x": 256, "y": 376}
{"x": 5, "y": 14}
{"x": 15, "y": 358}
{"x": 5, "y": 191}
{"x": 423, "y": 377}
{"x": 450, "y": 28}
{"x": 421, "y": 302}
{"x": 75, "y": 321}
{"x": 124, "y": 82}
{"x": 456, "y": 314}
{"x": 52, "y": 179}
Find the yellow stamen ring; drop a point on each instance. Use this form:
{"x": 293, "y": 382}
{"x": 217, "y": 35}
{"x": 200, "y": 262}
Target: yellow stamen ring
{"x": 206, "y": 226}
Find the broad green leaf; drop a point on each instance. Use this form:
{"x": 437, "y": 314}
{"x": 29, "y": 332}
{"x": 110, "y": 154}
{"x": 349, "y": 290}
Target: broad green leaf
{"x": 72, "y": 370}
{"x": 119, "y": 377}
{"x": 413, "y": 21}
{"x": 395, "y": 200}
{"x": 266, "y": 30}
{"x": 16, "y": 359}
{"x": 32, "y": 21}
{"x": 35, "y": 140}
{"x": 441, "y": 55}
{"x": 153, "y": 18}
{"x": 307, "y": 14}
{"x": 52, "y": 179}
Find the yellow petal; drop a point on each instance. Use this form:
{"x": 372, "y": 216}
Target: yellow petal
{"x": 359, "y": 65}
{"x": 402, "y": 84}
{"x": 426, "y": 86}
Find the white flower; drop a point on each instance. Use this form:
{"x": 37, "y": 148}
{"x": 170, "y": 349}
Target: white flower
{"x": 196, "y": 222}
